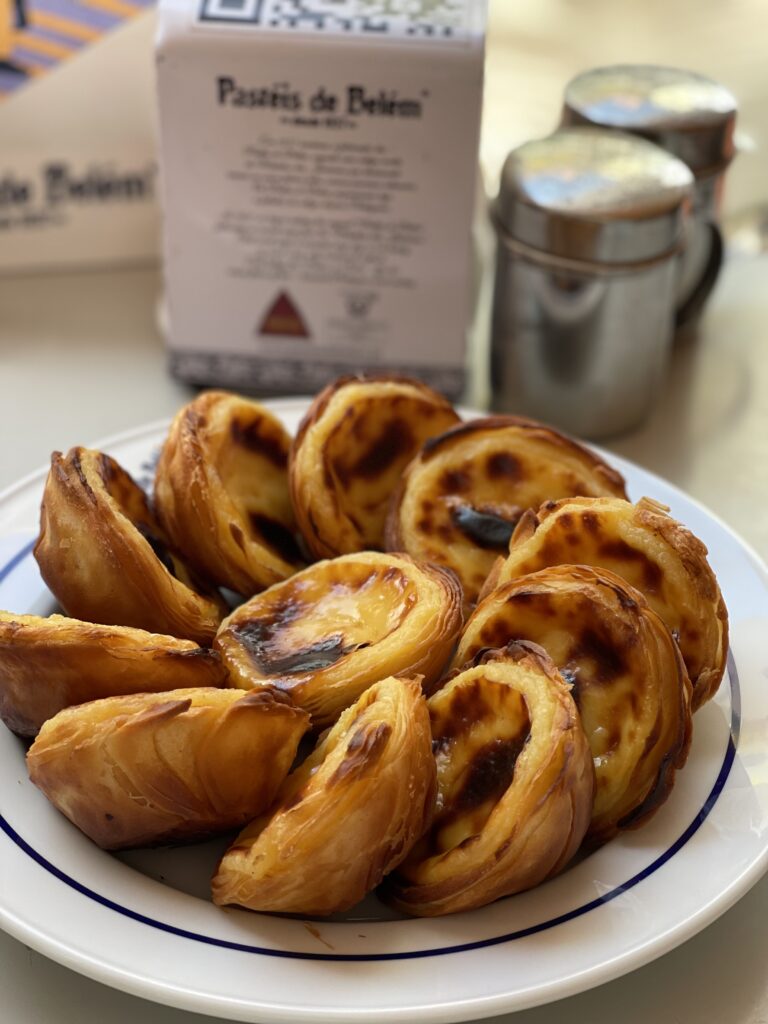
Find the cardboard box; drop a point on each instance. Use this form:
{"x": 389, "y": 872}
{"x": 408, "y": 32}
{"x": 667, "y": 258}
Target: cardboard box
{"x": 78, "y": 173}
{"x": 318, "y": 171}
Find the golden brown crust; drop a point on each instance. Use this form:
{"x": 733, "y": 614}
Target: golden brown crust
{"x": 629, "y": 680}
{"x": 352, "y": 445}
{"x": 329, "y": 632}
{"x": 105, "y": 558}
{"x": 515, "y": 785}
{"x": 221, "y": 492}
{"x": 647, "y": 547}
{"x": 346, "y": 817}
{"x": 157, "y": 768}
{"x": 459, "y": 500}
{"x": 50, "y": 664}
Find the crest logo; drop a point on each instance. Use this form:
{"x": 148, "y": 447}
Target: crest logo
{"x": 283, "y": 318}
{"x": 359, "y": 304}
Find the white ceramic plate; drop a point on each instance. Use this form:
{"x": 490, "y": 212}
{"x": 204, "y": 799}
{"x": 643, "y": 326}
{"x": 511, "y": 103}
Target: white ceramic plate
{"x": 141, "y": 922}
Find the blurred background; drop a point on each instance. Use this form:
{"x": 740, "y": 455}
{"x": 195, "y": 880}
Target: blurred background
{"x": 714, "y": 405}
{"x": 534, "y": 48}
{"x": 102, "y": 98}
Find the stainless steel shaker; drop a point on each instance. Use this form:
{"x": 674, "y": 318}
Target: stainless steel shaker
{"x": 690, "y": 116}
{"x": 589, "y": 223}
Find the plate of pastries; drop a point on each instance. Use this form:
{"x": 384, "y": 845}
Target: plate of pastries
{"x": 308, "y": 703}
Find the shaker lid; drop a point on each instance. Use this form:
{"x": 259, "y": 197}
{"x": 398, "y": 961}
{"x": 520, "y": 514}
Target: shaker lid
{"x": 595, "y": 195}
{"x": 685, "y": 113}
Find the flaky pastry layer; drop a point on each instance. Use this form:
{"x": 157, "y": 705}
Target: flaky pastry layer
{"x": 329, "y": 632}
{"x": 221, "y": 492}
{"x": 515, "y": 786}
{"x": 158, "y": 768}
{"x": 47, "y": 664}
{"x": 461, "y": 497}
{"x": 346, "y": 817}
{"x": 644, "y": 545}
{"x": 351, "y": 448}
{"x": 106, "y": 559}
{"x": 629, "y": 679}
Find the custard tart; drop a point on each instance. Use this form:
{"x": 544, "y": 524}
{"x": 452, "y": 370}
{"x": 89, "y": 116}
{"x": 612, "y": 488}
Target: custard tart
{"x": 221, "y": 492}
{"x": 460, "y": 498}
{"x": 329, "y": 632}
{"x": 106, "y": 559}
{"x": 644, "y": 545}
{"x": 162, "y": 768}
{"x": 345, "y": 817}
{"x": 514, "y": 785}
{"x": 47, "y": 664}
{"x": 352, "y": 446}
{"x": 629, "y": 679}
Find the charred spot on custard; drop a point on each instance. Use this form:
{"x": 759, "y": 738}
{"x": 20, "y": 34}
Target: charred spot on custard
{"x": 485, "y": 782}
{"x": 425, "y": 525}
{"x": 486, "y": 529}
{"x": 467, "y": 706}
{"x": 606, "y": 660}
{"x": 554, "y": 549}
{"x": 491, "y": 772}
{"x": 445, "y": 532}
{"x": 688, "y": 635}
{"x": 496, "y": 633}
{"x": 364, "y": 749}
{"x": 257, "y": 636}
{"x": 395, "y": 440}
{"x": 623, "y": 552}
{"x": 540, "y": 602}
{"x": 276, "y": 536}
{"x": 455, "y": 481}
{"x": 253, "y": 437}
{"x": 503, "y": 465}
{"x": 591, "y": 523}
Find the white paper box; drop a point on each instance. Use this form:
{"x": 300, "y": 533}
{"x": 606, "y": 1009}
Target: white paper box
{"x": 318, "y": 166}
{"x": 78, "y": 174}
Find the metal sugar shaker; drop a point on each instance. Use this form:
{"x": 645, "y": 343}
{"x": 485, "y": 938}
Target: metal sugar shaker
{"x": 589, "y": 225}
{"x": 693, "y": 118}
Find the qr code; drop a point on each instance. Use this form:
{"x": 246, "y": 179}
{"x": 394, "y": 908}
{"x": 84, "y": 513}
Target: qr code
{"x": 420, "y": 18}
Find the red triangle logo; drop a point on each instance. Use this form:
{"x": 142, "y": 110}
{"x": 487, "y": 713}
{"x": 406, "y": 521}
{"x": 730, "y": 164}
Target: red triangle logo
{"x": 283, "y": 318}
